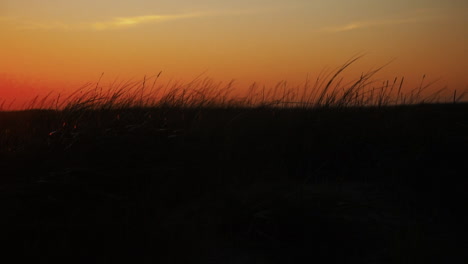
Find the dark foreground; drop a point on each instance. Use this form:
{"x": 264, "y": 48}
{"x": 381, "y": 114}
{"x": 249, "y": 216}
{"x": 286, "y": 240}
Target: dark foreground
{"x": 374, "y": 185}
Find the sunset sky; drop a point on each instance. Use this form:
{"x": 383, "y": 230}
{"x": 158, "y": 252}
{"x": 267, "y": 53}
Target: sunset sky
{"x": 61, "y": 44}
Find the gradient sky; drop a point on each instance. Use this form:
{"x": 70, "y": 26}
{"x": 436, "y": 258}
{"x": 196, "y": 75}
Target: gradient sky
{"x": 61, "y": 44}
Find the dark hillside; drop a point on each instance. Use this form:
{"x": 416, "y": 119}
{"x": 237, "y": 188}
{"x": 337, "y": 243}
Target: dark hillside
{"x": 236, "y": 185}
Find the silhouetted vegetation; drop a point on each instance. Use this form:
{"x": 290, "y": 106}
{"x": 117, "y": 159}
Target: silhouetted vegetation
{"x": 342, "y": 173}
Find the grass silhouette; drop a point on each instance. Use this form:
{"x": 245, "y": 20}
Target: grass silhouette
{"x": 338, "y": 172}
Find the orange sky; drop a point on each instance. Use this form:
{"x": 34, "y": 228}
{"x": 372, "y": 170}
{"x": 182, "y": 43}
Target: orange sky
{"x": 61, "y": 44}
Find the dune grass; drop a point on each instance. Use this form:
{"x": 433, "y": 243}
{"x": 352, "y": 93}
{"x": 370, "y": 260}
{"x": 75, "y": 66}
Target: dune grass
{"x": 329, "y": 90}
{"x": 95, "y": 105}
{"x": 356, "y": 172}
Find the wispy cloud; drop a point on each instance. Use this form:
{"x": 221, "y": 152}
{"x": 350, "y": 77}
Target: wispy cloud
{"x": 121, "y": 22}
{"x": 379, "y": 23}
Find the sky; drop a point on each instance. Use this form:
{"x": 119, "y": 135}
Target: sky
{"x": 58, "y": 45}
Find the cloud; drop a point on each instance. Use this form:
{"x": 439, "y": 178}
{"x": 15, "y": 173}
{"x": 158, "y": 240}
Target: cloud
{"x": 378, "y": 23}
{"x": 113, "y": 23}
{"x": 122, "y": 22}
{"x": 17, "y": 23}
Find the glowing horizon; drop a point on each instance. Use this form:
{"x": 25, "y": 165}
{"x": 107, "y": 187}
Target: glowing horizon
{"x": 60, "y": 45}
